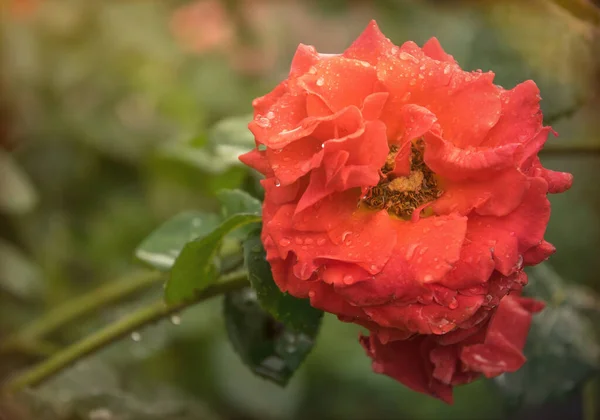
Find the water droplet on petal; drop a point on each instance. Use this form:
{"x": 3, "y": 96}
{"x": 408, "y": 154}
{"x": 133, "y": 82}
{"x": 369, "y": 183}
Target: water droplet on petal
{"x": 321, "y": 241}
{"x": 406, "y": 56}
{"x": 263, "y": 122}
{"x": 311, "y": 294}
{"x": 411, "y": 251}
{"x": 270, "y": 115}
{"x": 284, "y": 242}
{"x": 136, "y": 336}
{"x": 320, "y": 81}
{"x": 298, "y": 240}
{"x": 345, "y": 235}
{"x": 277, "y": 183}
{"x": 308, "y": 241}
{"x": 348, "y": 279}
{"x": 427, "y": 278}
{"x": 394, "y": 50}
{"x": 519, "y": 262}
{"x": 453, "y": 304}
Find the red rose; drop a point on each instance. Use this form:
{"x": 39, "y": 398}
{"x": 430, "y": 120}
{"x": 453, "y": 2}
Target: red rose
{"x": 434, "y": 363}
{"x": 401, "y": 192}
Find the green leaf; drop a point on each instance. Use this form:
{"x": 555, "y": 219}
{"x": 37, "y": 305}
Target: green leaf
{"x": 227, "y": 140}
{"x": 269, "y": 348}
{"x": 293, "y": 312}
{"x": 231, "y": 132}
{"x": 17, "y": 194}
{"x": 19, "y": 275}
{"x": 238, "y": 201}
{"x": 162, "y": 247}
{"x": 196, "y": 267}
{"x": 562, "y": 349}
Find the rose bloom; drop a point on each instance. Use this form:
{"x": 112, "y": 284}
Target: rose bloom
{"x": 434, "y": 363}
{"x": 403, "y": 194}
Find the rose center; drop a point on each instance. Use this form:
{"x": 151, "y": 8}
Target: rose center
{"x": 400, "y": 196}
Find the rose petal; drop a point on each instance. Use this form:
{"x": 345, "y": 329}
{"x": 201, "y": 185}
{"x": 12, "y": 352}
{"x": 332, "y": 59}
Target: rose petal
{"x": 487, "y": 197}
{"x": 369, "y": 45}
{"x": 434, "y": 50}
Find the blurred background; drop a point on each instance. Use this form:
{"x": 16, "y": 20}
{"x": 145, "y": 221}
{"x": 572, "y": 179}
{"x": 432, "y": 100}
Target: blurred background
{"x": 118, "y": 114}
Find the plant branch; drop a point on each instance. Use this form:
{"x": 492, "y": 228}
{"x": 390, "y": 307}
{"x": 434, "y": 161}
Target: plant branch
{"x": 78, "y": 307}
{"x": 117, "y": 330}
{"x": 591, "y": 390}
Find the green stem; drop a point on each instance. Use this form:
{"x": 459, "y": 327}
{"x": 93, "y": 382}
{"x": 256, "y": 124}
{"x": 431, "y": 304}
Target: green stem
{"x": 117, "y": 330}
{"x": 79, "y": 307}
{"x": 591, "y": 390}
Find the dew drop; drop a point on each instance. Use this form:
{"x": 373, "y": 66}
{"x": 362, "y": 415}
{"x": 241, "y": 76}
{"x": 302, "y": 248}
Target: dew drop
{"x": 321, "y": 241}
{"x": 394, "y": 50}
{"x": 311, "y": 294}
{"x": 348, "y": 279}
{"x": 378, "y": 367}
{"x": 438, "y": 223}
{"x": 175, "y": 319}
{"x": 411, "y": 251}
{"x": 406, "y": 56}
{"x": 270, "y": 115}
{"x": 277, "y": 183}
{"x": 284, "y": 242}
{"x": 322, "y": 145}
{"x": 345, "y": 235}
{"x": 520, "y": 262}
{"x": 320, "y": 81}
{"x": 263, "y": 122}
{"x": 136, "y": 336}
{"x": 423, "y": 250}
{"x": 453, "y": 304}
{"x": 298, "y": 240}
{"x": 428, "y": 278}
{"x": 374, "y": 267}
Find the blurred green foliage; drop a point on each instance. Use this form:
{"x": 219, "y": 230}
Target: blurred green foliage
{"x": 119, "y": 125}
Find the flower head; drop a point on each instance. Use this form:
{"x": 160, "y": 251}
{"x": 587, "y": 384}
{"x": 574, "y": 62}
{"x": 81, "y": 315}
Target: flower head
{"x": 401, "y": 192}
{"x": 434, "y": 363}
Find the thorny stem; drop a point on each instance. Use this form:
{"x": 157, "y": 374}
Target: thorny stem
{"x": 113, "y": 332}
{"x": 77, "y": 308}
